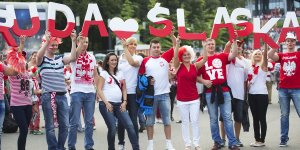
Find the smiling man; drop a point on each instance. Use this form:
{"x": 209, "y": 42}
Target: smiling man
{"x": 289, "y": 84}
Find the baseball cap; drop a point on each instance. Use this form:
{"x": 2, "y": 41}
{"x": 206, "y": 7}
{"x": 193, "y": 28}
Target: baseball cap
{"x": 290, "y": 35}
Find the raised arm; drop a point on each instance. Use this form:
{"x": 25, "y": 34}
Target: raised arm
{"x": 173, "y": 38}
{"x": 264, "y": 66}
{"x": 22, "y": 43}
{"x": 200, "y": 63}
{"x": 227, "y": 47}
{"x": 131, "y": 61}
{"x": 273, "y": 55}
{"x": 42, "y": 50}
{"x": 234, "y": 51}
{"x": 72, "y": 57}
{"x": 176, "y": 59}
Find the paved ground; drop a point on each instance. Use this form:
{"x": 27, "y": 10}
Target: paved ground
{"x": 38, "y": 142}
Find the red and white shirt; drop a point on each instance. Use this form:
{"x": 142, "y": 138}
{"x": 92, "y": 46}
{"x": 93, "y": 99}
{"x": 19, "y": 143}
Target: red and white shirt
{"x": 20, "y": 89}
{"x": 186, "y": 83}
{"x": 82, "y": 77}
{"x": 215, "y": 69}
{"x": 158, "y": 68}
{"x": 289, "y": 70}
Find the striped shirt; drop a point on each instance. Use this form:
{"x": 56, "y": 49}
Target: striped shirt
{"x": 52, "y": 74}
{"x": 20, "y": 90}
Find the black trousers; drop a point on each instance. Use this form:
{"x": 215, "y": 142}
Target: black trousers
{"x": 258, "y": 105}
{"x": 22, "y": 115}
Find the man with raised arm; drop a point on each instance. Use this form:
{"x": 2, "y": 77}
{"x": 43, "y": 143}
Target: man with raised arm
{"x": 289, "y": 84}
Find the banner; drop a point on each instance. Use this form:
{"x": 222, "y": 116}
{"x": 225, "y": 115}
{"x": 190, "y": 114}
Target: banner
{"x": 126, "y": 28}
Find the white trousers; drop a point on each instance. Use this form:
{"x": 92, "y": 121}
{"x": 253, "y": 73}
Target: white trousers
{"x": 189, "y": 112}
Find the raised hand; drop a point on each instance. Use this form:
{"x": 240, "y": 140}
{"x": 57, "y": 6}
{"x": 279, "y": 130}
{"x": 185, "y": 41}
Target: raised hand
{"x": 124, "y": 43}
{"x": 22, "y": 38}
{"x": 73, "y": 35}
{"x": 47, "y": 36}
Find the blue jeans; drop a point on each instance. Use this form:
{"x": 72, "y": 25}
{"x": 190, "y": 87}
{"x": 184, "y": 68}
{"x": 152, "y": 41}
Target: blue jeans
{"x": 2, "y": 115}
{"x": 225, "y": 112}
{"x": 87, "y": 102}
{"x": 110, "y": 121}
{"x": 62, "y": 117}
{"x": 132, "y": 108}
{"x": 163, "y": 103}
{"x": 285, "y": 96}
{"x": 22, "y": 115}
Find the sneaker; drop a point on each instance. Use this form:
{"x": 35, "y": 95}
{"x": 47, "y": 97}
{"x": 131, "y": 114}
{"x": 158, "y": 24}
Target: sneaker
{"x": 283, "y": 144}
{"x": 239, "y": 143}
{"x": 216, "y": 146}
{"x": 257, "y": 144}
{"x": 150, "y": 147}
{"x": 122, "y": 147}
{"x": 223, "y": 142}
{"x": 188, "y": 148}
{"x": 197, "y": 148}
{"x": 179, "y": 121}
{"x": 94, "y": 128}
{"x": 234, "y": 147}
{"x": 169, "y": 146}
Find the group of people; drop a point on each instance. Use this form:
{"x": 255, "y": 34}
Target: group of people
{"x": 229, "y": 80}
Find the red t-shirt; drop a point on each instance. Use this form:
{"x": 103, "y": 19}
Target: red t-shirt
{"x": 215, "y": 69}
{"x": 186, "y": 83}
{"x": 289, "y": 70}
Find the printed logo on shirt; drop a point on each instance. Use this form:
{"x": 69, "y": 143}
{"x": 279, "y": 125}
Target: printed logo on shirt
{"x": 161, "y": 64}
{"x": 289, "y": 68}
{"x": 214, "y": 71}
{"x": 110, "y": 80}
{"x": 24, "y": 85}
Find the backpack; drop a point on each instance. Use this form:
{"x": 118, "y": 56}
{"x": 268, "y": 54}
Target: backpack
{"x": 9, "y": 124}
{"x": 141, "y": 87}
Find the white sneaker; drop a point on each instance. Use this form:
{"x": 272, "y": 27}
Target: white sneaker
{"x": 122, "y": 147}
{"x": 257, "y": 144}
{"x": 150, "y": 147}
{"x": 169, "y": 146}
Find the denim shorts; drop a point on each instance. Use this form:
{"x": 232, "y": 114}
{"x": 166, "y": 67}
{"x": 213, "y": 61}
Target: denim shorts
{"x": 161, "y": 102}
{"x": 237, "y": 109}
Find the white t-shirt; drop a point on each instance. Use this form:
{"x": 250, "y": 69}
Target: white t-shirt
{"x": 130, "y": 71}
{"x": 258, "y": 82}
{"x": 111, "y": 90}
{"x": 82, "y": 78}
{"x": 237, "y": 72}
{"x": 158, "y": 68}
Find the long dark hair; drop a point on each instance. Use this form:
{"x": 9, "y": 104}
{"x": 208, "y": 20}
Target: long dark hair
{"x": 105, "y": 63}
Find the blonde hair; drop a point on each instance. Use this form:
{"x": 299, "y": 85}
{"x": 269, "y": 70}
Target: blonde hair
{"x": 253, "y": 54}
{"x": 131, "y": 39}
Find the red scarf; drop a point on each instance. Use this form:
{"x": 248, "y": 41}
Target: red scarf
{"x": 255, "y": 72}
